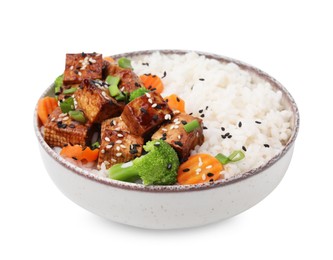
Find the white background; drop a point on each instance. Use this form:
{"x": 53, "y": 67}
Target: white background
{"x": 291, "y": 41}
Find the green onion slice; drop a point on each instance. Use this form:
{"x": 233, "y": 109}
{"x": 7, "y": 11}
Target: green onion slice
{"x": 58, "y": 83}
{"x": 69, "y": 91}
{"x": 235, "y": 156}
{"x": 77, "y": 115}
{"x": 125, "y": 63}
{"x": 67, "y": 105}
{"x": 95, "y": 145}
{"x": 191, "y": 126}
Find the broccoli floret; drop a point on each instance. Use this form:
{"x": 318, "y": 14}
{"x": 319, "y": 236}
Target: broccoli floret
{"x": 138, "y": 93}
{"x": 158, "y": 167}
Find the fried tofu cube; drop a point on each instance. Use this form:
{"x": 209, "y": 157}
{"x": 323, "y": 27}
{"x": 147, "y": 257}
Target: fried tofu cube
{"x": 117, "y": 144}
{"x": 60, "y": 130}
{"x": 96, "y": 103}
{"x": 82, "y": 66}
{"x": 144, "y": 114}
{"x": 175, "y": 134}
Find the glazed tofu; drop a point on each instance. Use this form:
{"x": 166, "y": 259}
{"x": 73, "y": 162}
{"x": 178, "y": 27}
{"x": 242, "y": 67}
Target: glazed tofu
{"x": 117, "y": 144}
{"x": 129, "y": 81}
{"x": 145, "y": 114}
{"x": 96, "y": 103}
{"x": 175, "y": 134}
{"x": 60, "y": 130}
{"x": 82, "y": 66}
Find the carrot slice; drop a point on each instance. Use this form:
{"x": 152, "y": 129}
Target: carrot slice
{"x": 109, "y": 59}
{"x": 199, "y": 168}
{"x": 45, "y": 107}
{"x": 152, "y": 82}
{"x": 76, "y": 152}
{"x": 175, "y": 102}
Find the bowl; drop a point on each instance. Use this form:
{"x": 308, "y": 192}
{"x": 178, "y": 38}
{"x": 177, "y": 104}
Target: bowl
{"x": 177, "y": 206}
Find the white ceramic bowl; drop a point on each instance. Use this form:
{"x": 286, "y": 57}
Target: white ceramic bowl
{"x": 170, "y": 207}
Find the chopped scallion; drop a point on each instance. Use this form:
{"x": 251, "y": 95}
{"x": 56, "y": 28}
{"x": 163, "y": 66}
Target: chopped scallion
{"x": 125, "y": 63}
{"x": 69, "y": 91}
{"x": 233, "y": 157}
{"x": 67, "y": 105}
{"x": 114, "y": 90}
{"x": 77, "y": 115}
{"x": 111, "y": 80}
{"x": 58, "y": 83}
{"x": 191, "y": 126}
{"x": 95, "y": 145}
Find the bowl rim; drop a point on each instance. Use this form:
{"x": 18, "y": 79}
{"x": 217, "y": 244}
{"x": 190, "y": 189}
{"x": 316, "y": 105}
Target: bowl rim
{"x": 181, "y": 188}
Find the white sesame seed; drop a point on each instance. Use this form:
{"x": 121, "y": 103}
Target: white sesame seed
{"x": 53, "y": 118}
{"x": 72, "y": 67}
{"x": 197, "y": 134}
{"x": 177, "y": 123}
{"x": 122, "y": 146}
{"x": 179, "y": 137}
{"x": 120, "y": 135}
{"x": 83, "y": 67}
{"x": 113, "y": 160}
{"x": 200, "y": 162}
{"x": 154, "y": 105}
{"x": 63, "y": 115}
{"x": 119, "y": 142}
{"x": 164, "y": 129}
{"x": 172, "y": 127}
{"x": 198, "y": 171}
{"x": 203, "y": 177}
{"x": 107, "y": 139}
{"x": 79, "y": 73}
{"x": 102, "y": 151}
{"x": 167, "y": 117}
{"x": 105, "y": 95}
{"x": 92, "y": 60}
{"x": 176, "y": 120}
{"x": 118, "y": 154}
{"x": 148, "y": 95}
{"x": 209, "y": 166}
{"x": 117, "y": 129}
{"x": 109, "y": 146}
{"x": 122, "y": 89}
{"x": 65, "y": 118}
{"x": 150, "y": 100}
{"x": 176, "y": 111}
{"x": 176, "y": 126}
{"x": 118, "y": 148}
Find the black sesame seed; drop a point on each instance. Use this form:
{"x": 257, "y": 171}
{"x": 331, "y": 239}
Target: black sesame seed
{"x": 202, "y": 115}
{"x": 152, "y": 89}
{"x": 244, "y": 148}
{"x": 186, "y": 170}
{"x": 158, "y": 106}
{"x": 169, "y": 166}
{"x": 201, "y": 79}
{"x": 163, "y": 138}
{"x": 133, "y": 151}
{"x": 83, "y": 54}
{"x": 229, "y": 136}
{"x": 179, "y": 143}
{"x": 154, "y": 76}
{"x": 222, "y": 128}
{"x": 147, "y": 74}
{"x": 223, "y": 136}
{"x": 201, "y": 110}
{"x": 136, "y": 145}
{"x": 190, "y": 113}
{"x": 57, "y": 93}
{"x": 155, "y": 117}
{"x": 76, "y": 71}
{"x": 257, "y": 122}
{"x": 177, "y": 98}
{"x": 205, "y": 128}
{"x": 164, "y": 134}
{"x": 74, "y": 158}
{"x": 164, "y": 74}
{"x": 211, "y": 180}
{"x": 143, "y": 110}
{"x": 240, "y": 124}
{"x": 166, "y": 100}
{"x": 137, "y": 84}
{"x": 206, "y": 107}
{"x": 145, "y": 64}
{"x": 183, "y": 122}
{"x": 266, "y": 145}
{"x": 210, "y": 174}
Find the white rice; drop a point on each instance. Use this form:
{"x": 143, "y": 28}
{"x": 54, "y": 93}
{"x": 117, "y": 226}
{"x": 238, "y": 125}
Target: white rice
{"x": 232, "y": 96}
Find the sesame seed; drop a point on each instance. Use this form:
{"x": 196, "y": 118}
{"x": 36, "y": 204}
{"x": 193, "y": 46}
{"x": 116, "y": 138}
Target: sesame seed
{"x": 169, "y": 166}
{"x": 186, "y": 170}
{"x": 177, "y": 98}
{"x": 179, "y": 143}
{"x": 163, "y": 138}
{"x": 107, "y": 139}
{"x": 266, "y": 145}
{"x": 176, "y": 126}
{"x": 172, "y": 127}
{"x": 179, "y": 137}
{"x": 72, "y": 67}
{"x": 120, "y": 135}
{"x": 205, "y": 128}
{"x": 209, "y": 166}
{"x": 198, "y": 170}
{"x": 117, "y": 129}
{"x": 229, "y": 136}
{"x": 201, "y": 79}
{"x": 113, "y": 160}
{"x": 154, "y": 105}
{"x": 79, "y": 73}
{"x": 184, "y": 122}
{"x": 164, "y": 134}
{"x": 53, "y": 118}
{"x": 63, "y": 115}
{"x": 102, "y": 151}
{"x": 148, "y": 95}
{"x": 210, "y": 174}
{"x": 202, "y": 115}
{"x": 206, "y": 107}
{"x": 176, "y": 111}
{"x": 143, "y": 110}
{"x": 118, "y": 148}
{"x": 109, "y": 146}
{"x": 167, "y": 117}
{"x": 164, "y": 75}
{"x": 177, "y": 123}
{"x": 105, "y": 95}
{"x": 145, "y": 64}
{"x": 244, "y": 148}
{"x": 222, "y": 128}
{"x": 200, "y": 111}
{"x": 155, "y": 117}
{"x": 257, "y": 122}
{"x": 203, "y": 177}
{"x": 118, "y": 154}
{"x": 200, "y": 162}
{"x": 164, "y": 129}
{"x": 122, "y": 89}
{"x": 211, "y": 180}
{"x": 150, "y": 100}
{"x": 133, "y": 151}
{"x": 176, "y": 120}
{"x": 122, "y": 146}
{"x": 240, "y": 124}
{"x": 65, "y": 118}
{"x": 119, "y": 142}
